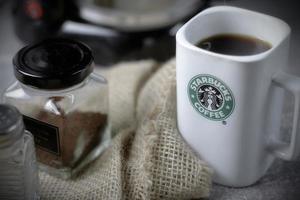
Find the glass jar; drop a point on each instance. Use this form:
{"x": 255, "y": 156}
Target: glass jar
{"x": 65, "y": 105}
{"x": 18, "y": 169}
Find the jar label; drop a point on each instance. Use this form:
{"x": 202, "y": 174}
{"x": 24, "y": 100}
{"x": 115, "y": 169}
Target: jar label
{"x": 46, "y": 136}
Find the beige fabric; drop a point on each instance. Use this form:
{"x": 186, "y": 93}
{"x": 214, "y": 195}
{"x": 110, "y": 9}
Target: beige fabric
{"x": 147, "y": 158}
{"x": 125, "y": 81}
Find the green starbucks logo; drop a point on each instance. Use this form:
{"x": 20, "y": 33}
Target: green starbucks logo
{"x": 211, "y": 97}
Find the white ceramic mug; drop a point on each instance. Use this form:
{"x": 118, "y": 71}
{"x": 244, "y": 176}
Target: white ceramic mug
{"x": 236, "y": 128}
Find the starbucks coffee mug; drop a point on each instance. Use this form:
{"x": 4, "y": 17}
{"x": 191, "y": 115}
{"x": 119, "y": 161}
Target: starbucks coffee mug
{"x": 229, "y": 107}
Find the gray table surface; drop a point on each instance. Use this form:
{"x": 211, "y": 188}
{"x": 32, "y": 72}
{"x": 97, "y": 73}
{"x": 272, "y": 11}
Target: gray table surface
{"x": 282, "y": 181}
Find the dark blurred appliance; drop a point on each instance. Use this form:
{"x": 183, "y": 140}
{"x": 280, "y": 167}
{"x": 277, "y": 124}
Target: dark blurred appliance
{"x": 115, "y": 29}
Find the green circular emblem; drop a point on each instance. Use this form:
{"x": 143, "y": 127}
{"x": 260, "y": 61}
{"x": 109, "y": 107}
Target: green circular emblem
{"x": 211, "y": 97}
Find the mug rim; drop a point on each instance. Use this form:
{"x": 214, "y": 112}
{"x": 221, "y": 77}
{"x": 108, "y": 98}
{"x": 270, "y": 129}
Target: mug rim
{"x": 181, "y": 36}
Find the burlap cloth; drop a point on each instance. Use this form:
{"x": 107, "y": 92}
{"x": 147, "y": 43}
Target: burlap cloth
{"x": 147, "y": 158}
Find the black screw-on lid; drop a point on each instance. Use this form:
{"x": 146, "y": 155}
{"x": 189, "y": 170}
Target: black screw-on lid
{"x": 53, "y": 63}
{"x": 11, "y": 120}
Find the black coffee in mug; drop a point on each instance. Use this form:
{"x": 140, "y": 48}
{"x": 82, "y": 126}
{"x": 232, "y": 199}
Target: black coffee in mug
{"x": 234, "y": 44}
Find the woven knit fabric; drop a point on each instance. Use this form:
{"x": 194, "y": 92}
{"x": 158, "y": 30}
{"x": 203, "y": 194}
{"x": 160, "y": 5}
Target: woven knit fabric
{"x": 147, "y": 158}
{"x": 125, "y": 82}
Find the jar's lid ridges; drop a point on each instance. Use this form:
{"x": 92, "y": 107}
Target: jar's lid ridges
{"x": 55, "y": 63}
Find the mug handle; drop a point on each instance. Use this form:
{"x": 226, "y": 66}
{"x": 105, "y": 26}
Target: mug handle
{"x": 291, "y": 83}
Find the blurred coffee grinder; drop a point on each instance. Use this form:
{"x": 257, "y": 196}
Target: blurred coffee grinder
{"x": 116, "y": 30}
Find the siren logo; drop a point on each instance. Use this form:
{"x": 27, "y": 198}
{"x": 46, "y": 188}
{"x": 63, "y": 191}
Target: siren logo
{"x": 211, "y": 97}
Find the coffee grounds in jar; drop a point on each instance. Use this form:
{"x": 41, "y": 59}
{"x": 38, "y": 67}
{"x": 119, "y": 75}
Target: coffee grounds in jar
{"x": 79, "y": 133}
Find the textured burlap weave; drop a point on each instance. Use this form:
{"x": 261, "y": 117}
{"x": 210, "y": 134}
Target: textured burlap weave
{"x": 147, "y": 158}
